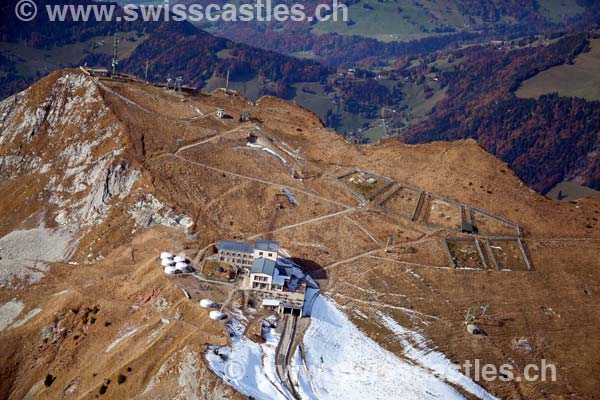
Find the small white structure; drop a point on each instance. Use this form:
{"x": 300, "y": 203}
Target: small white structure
{"x": 207, "y": 303}
{"x": 181, "y": 259}
{"x": 216, "y": 315}
{"x": 167, "y": 262}
{"x": 181, "y": 266}
{"x": 221, "y": 113}
{"x": 171, "y": 271}
{"x": 166, "y": 256}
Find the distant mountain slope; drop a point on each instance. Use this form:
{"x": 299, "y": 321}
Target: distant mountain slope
{"x": 545, "y": 140}
{"x": 397, "y": 23}
{"x": 31, "y": 50}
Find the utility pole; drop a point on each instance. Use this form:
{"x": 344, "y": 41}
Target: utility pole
{"x": 146, "y": 73}
{"x": 178, "y": 83}
{"x": 383, "y": 121}
{"x": 115, "y": 60}
{"x": 227, "y": 82}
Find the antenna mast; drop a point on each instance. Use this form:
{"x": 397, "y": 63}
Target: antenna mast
{"x": 146, "y": 73}
{"x": 227, "y": 82}
{"x": 115, "y": 60}
{"x": 178, "y": 83}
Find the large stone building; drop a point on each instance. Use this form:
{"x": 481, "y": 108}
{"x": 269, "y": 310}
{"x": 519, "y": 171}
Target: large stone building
{"x": 238, "y": 254}
{"x": 277, "y": 283}
{"x": 266, "y": 249}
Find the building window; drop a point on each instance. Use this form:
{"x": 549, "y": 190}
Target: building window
{"x": 270, "y": 254}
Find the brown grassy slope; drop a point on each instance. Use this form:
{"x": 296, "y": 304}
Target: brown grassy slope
{"x": 461, "y": 171}
{"x": 87, "y": 308}
{"x": 231, "y": 192}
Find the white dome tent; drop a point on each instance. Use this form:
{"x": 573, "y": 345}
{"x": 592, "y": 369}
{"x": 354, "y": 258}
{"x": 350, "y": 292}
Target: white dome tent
{"x": 167, "y": 263}
{"x": 181, "y": 259}
{"x": 171, "y": 271}
{"x": 166, "y": 256}
{"x": 207, "y": 303}
{"x": 181, "y": 265}
{"x": 216, "y": 315}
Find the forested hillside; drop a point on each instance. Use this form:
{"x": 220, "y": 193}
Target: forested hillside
{"x": 545, "y": 140}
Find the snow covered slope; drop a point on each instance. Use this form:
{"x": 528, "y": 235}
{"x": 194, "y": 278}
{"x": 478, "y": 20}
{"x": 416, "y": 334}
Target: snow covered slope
{"x": 341, "y": 362}
{"x": 338, "y": 362}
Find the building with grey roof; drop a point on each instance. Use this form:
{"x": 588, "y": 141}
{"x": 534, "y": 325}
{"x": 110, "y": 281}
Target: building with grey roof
{"x": 238, "y": 254}
{"x": 266, "y": 245}
{"x": 278, "y": 283}
{"x": 280, "y": 286}
{"x": 242, "y": 254}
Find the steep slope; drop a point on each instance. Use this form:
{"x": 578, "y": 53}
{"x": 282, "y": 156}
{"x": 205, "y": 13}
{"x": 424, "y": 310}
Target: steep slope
{"x": 105, "y": 309}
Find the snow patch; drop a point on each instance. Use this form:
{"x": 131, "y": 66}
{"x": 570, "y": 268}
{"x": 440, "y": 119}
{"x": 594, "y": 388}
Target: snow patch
{"x": 415, "y": 348}
{"x": 341, "y": 362}
{"x": 242, "y": 365}
{"x": 9, "y": 312}
{"x": 26, "y": 318}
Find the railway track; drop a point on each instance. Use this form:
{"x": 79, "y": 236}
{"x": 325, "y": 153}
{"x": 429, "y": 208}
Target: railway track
{"x": 283, "y": 354}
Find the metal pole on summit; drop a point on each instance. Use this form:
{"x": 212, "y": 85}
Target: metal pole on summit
{"x": 227, "y": 82}
{"x": 115, "y": 60}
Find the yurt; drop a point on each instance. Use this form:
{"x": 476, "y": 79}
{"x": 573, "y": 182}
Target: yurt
{"x": 216, "y": 315}
{"x": 166, "y": 256}
{"x": 171, "y": 270}
{"x": 167, "y": 263}
{"x": 181, "y": 266}
{"x": 207, "y": 303}
{"x": 181, "y": 259}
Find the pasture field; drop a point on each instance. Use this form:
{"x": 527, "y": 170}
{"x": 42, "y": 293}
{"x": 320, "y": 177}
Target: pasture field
{"x": 582, "y": 79}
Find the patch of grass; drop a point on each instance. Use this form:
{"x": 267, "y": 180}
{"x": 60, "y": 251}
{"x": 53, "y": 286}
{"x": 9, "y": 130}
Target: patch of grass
{"x": 218, "y": 270}
{"x": 579, "y": 80}
{"x": 465, "y": 253}
{"x": 559, "y": 10}
{"x": 392, "y": 21}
